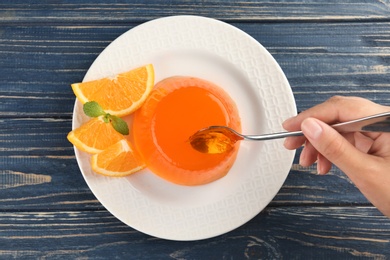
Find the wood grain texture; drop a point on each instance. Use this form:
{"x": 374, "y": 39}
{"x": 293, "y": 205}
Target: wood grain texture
{"x": 325, "y": 48}
{"x": 277, "y": 233}
{"x": 38, "y": 169}
{"x": 38, "y": 63}
{"x": 86, "y": 12}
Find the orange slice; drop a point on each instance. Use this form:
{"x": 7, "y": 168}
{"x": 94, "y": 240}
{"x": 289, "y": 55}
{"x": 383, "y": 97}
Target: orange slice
{"x": 120, "y": 95}
{"x": 117, "y": 161}
{"x": 94, "y": 136}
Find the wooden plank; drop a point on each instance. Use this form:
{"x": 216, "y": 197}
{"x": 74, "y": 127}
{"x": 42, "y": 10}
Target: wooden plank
{"x": 337, "y": 63}
{"x": 38, "y": 63}
{"x": 43, "y": 183}
{"x": 276, "y": 233}
{"x": 322, "y": 60}
{"x": 35, "y": 137}
{"x": 46, "y": 182}
{"x": 47, "y": 210}
{"x": 38, "y": 170}
{"x": 304, "y": 187}
{"x": 87, "y": 12}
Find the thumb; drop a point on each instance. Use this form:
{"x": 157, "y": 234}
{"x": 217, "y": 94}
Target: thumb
{"x": 333, "y": 146}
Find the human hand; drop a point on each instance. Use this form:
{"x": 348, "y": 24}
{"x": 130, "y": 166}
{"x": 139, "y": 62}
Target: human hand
{"x": 363, "y": 157}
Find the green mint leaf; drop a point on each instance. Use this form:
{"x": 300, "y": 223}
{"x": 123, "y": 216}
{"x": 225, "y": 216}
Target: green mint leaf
{"x": 119, "y": 125}
{"x": 93, "y": 109}
{"x": 107, "y": 118}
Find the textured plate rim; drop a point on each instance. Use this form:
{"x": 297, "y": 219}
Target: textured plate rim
{"x": 155, "y": 229}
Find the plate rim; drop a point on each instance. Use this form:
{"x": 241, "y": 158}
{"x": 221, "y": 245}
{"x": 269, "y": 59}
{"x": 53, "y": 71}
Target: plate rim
{"x": 288, "y": 93}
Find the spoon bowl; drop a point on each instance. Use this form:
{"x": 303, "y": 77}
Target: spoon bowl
{"x": 220, "y": 139}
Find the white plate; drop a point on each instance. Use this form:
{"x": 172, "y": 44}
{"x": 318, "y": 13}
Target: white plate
{"x": 212, "y": 50}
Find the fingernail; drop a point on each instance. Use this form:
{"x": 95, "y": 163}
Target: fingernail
{"x": 311, "y": 128}
{"x": 319, "y": 169}
{"x": 302, "y": 158}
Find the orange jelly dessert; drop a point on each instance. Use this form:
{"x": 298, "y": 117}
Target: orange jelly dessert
{"x": 175, "y": 110}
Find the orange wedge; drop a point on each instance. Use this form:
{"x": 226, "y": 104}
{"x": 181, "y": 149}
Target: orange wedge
{"x": 120, "y": 95}
{"x": 117, "y": 161}
{"x": 94, "y": 136}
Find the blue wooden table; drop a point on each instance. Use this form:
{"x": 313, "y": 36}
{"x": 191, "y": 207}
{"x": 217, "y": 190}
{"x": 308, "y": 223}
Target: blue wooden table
{"x": 325, "y": 48}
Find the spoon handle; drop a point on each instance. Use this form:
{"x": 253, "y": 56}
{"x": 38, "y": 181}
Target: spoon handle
{"x": 374, "y": 123}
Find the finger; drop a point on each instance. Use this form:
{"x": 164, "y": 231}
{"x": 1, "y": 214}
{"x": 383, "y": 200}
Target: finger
{"x": 323, "y": 165}
{"x": 336, "y": 109}
{"x": 295, "y": 142}
{"x": 381, "y": 146}
{"x": 362, "y": 142}
{"x": 308, "y": 155}
{"x": 333, "y": 146}
{"x": 341, "y": 109}
{"x": 372, "y": 135}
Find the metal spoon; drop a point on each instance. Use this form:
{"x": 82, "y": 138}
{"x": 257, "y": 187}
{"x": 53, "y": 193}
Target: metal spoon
{"x": 220, "y": 139}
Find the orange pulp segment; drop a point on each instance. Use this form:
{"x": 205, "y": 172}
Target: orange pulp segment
{"x": 120, "y": 95}
{"x": 94, "y": 136}
{"x": 175, "y": 110}
{"x": 118, "y": 160}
